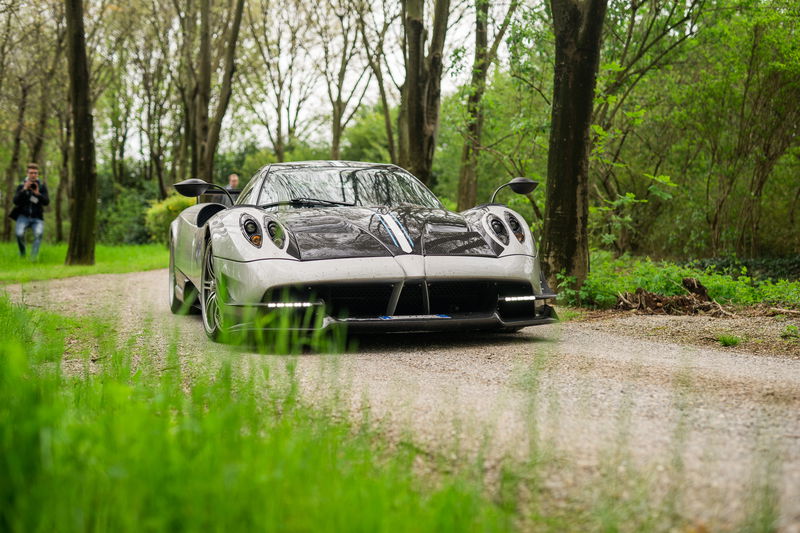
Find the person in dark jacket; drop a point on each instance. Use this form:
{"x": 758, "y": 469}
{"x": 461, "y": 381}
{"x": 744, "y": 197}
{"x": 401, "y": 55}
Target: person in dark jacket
{"x": 29, "y": 201}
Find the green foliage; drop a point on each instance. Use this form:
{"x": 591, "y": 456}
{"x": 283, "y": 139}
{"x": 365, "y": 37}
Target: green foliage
{"x": 122, "y": 220}
{"x": 610, "y": 276}
{"x": 760, "y": 267}
{"x": 161, "y": 214}
{"x": 365, "y": 139}
{"x": 50, "y": 263}
{"x": 516, "y": 122}
{"x": 255, "y": 161}
{"x": 138, "y": 443}
{"x": 790, "y": 332}
{"x": 729, "y": 340}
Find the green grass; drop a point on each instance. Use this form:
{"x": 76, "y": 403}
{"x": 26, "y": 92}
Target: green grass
{"x": 729, "y": 340}
{"x": 50, "y": 263}
{"x": 610, "y": 276}
{"x": 134, "y": 443}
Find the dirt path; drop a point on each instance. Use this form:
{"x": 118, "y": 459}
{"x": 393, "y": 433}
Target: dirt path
{"x": 714, "y": 422}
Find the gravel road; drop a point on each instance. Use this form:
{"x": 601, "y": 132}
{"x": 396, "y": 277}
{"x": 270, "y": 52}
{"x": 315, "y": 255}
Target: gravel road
{"x": 716, "y": 423}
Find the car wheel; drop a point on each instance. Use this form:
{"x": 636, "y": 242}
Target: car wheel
{"x": 210, "y": 307}
{"x": 175, "y": 305}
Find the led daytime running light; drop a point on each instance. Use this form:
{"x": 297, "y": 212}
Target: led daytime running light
{"x": 278, "y": 305}
{"x": 518, "y": 298}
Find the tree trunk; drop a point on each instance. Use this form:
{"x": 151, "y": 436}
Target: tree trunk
{"x": 208, "y": 131}
{"x": 336, "y": 133}
{"x": 84, "y": 189}
{"x": 41, "y": 123}
{"x": 484, "y": 56}
{"x": 467, "y": 176}
{"x": 12, "y": 173}
{"x": 202, "y": 96}
{"x": 421, "y": 93}
{"x": 578, "y": 30}
{"x": 63, "y": 180}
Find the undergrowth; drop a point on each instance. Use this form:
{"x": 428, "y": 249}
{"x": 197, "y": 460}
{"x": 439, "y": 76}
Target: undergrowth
{"x": 610, "y": 276}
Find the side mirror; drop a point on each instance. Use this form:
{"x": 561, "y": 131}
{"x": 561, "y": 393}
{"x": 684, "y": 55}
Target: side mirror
{"x": 518, "y": 185}
{"x": 192, "y": 187}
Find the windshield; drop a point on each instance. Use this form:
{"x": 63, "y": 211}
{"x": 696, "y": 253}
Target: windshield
{"x": 376, "y": 186}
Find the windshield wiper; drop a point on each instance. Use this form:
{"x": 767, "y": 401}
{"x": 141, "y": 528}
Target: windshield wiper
{"x": 310, "y": 202}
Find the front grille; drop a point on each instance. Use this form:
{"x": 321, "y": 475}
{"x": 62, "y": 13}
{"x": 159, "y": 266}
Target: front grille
{"x": 358, "y": 301}
{"x": 453, "y": 298}
{"x": 462, "y": 297}
{"x": 342, "y": 300}
{"x": 411, "y": 301}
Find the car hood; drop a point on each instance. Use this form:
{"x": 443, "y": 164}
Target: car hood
{"x": 339, "y": 232}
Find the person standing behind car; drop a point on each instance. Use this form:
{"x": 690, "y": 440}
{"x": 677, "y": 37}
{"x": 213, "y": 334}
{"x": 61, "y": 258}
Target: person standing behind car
{"x": 29, "y": 201}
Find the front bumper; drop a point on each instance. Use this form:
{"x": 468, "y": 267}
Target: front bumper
{"x": 406, "y": 293}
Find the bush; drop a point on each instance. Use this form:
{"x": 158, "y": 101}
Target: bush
{"x": 161, "y": 214}
{"x": 610, "y": 276}
{"x": 122, "y": 221}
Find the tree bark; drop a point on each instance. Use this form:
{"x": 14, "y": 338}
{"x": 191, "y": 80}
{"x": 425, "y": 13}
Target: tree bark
{"x": 208, "y": 130}
{"x": 578, "y": 28}
{"x": 202, "y": 95}
{"x": 84, "y": 188}
{"x": 64, "y": 126}
{"x": 421, "y": 94}
{"x": 12, "y": 172}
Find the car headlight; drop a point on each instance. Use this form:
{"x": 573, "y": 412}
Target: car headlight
{"x": 276, "y": 233}
{"x": 499, "y": 229}
{"x": 251, "y": 230}
{"x": 516, "y": 226}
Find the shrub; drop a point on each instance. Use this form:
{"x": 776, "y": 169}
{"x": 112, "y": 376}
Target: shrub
{"x": 610, "y": 276}
{"x": 159, "y": 216}
{"x": 122, "y": 221}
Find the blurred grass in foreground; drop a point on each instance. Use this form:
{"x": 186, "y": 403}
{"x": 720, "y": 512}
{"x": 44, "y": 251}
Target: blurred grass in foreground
{"x": 50, "y": 263}
{"x": 132, "y": 442}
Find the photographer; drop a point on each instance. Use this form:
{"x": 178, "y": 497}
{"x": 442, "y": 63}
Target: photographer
{"x": 29, "y": 201}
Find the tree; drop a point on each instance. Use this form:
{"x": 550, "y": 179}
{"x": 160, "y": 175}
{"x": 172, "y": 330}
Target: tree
{"x": 207, "y": 129}
{"x": 421, "y": 92}
{"x": 484, "y": 56}
{"x": 280, "y": 78}
{"x": 84, "y": 189}
{"x": 577, "y": 25}
{"x": 336, "y": 26}
{"x": 374, "y": 31}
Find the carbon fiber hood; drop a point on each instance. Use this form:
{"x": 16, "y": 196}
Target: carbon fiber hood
{"x": 339, "y": 232}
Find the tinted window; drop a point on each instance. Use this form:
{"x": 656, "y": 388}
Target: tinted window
{"x": 364, "y": 186}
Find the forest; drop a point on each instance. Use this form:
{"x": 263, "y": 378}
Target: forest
{"x": 670, "y": 129}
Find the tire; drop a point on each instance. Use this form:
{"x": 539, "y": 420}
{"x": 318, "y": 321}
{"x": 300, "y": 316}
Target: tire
{"x": 175, "y": 305}
{"x": 210, "y": 309}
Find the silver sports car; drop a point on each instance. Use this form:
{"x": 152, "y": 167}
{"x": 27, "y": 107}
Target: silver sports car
{"x": 361, "y": 244}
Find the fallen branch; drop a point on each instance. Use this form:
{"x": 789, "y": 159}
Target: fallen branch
{"x": 779, "y": 311}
